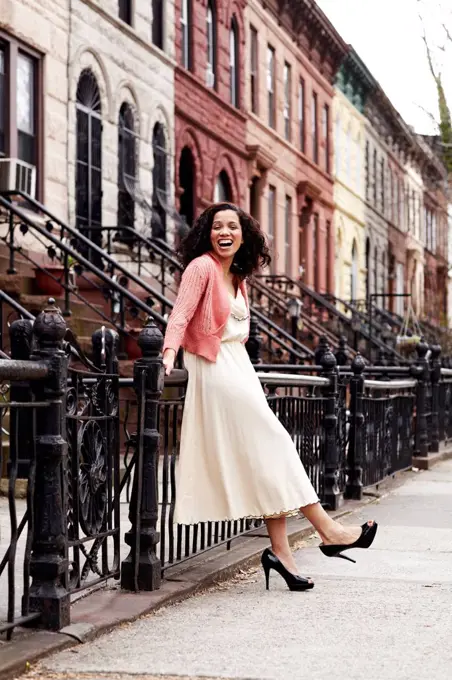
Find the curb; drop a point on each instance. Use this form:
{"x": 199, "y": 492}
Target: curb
{"x": 102, "y": 611}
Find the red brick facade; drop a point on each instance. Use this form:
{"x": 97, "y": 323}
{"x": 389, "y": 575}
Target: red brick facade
{"x": 206, "y": 122}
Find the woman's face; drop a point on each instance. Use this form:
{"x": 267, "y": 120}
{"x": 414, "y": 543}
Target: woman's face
{"x": 226, "y": 234}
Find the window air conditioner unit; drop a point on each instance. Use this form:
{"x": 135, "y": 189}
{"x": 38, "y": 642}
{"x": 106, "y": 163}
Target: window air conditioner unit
{"x": 210, "y": 78}
{"x": 15, "y": 175}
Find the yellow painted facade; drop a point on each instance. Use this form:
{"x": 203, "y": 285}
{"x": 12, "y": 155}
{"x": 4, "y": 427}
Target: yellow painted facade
{"x": 349, "y": 187}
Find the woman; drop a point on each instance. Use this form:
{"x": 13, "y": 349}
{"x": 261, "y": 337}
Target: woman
{"x": 236, "y": 458}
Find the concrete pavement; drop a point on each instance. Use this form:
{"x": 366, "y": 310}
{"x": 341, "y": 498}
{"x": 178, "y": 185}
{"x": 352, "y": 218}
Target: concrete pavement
{"x": 389, "y": 616}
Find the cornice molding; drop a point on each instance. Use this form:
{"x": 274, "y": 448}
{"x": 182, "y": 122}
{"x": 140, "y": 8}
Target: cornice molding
{"x": 313, "y": 33}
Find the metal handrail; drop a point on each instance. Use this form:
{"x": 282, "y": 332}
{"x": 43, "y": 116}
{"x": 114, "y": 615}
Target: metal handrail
{"x": 379, "y": 385}
{"x": 86, "y": 263}
{"x": 291, "y": 380}
{"x": 83, "y": 261}
{"x": 17, "y": 369}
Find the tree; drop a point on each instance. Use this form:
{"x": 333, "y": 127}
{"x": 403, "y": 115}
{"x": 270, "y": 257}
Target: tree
{"x": 437, "y": 52}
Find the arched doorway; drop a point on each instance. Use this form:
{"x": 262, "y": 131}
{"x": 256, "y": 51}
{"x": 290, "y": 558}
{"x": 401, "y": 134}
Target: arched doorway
{"x": 187, "y": 183}
{"x": 88, "y": 176}
{"x": 159, "y": 182}
{"x": 223, "y": 191}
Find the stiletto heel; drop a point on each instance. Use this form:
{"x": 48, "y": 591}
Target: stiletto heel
{"x": 366, "y": 539}
{"x": 293, "y": 581}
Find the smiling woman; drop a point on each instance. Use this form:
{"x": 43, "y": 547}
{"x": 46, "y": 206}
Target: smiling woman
{"x": 236, "y": 458}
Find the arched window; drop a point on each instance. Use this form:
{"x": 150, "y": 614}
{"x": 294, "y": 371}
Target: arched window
{"x": 160, "y": 181}
{"x": 126, "y": 166}
{"x": 186, "y": 34}
{"x": 234, "y": 67}
{"x": 157, "y": 23}
{"x": 222, "y": 188}
{"x": 187, "y": 182}
{"x": 88, "y": 178}
{"x": 354, "y": 273}
{"x": 211, "y": 33}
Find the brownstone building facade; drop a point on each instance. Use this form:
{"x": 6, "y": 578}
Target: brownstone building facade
{"x": 293, "y": 56}
{"x": 210, "y": 150}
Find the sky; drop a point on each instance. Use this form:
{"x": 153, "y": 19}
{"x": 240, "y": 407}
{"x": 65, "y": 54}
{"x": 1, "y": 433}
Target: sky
{"x": 387, "y": 35}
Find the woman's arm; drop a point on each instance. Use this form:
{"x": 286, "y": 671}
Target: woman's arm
{"x": 192, "y": 287}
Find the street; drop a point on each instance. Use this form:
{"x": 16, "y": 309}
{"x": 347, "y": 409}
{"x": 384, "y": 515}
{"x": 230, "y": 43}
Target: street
{"x": 388, "y": 616}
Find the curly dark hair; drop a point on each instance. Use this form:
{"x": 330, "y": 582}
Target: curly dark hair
{"x": 253, "y": 254}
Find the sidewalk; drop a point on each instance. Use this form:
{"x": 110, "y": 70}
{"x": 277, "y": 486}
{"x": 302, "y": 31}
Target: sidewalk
{"x": 389, "y": 616}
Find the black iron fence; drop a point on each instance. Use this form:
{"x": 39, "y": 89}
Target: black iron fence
{"x": 352, "y": 427}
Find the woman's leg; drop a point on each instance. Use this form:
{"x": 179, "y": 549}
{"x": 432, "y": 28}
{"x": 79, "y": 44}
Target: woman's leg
{"x": 277, "y": 530}
{"x": 329, "y": 530}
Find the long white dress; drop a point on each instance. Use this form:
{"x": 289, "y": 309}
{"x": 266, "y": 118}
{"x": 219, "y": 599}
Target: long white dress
{"x": 236, "y": 458}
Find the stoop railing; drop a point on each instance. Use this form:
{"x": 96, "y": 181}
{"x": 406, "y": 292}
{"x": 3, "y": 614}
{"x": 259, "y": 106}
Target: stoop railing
{"x": 352, "y": 428}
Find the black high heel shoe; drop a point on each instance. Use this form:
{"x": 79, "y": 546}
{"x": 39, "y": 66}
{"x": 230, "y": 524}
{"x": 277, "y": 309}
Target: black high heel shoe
{"x": 293, "y": 581}
{"x": 364, "y": 541}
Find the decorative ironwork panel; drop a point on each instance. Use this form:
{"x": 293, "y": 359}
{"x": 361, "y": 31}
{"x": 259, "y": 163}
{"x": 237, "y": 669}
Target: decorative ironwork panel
{"x": 92, "y": 475}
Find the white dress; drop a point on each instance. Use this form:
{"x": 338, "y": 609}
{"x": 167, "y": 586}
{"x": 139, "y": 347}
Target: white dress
{"x": 236, "y": 458}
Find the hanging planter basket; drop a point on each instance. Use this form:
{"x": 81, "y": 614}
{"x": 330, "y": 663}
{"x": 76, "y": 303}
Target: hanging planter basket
{"x": 407, "y": 341}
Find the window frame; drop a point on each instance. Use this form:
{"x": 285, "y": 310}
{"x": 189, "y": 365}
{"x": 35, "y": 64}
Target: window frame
{"x": 234, "y": 68}
{"x": 126, "y": 136}
{"x": 158, "y": 39}
{"x": 271, "y": 83}
{"x": 315, "y": 126}
{"x": 326, "y": 135}
{"x": 254, "y": 70}
{"x": 125, "y": 11}
{"x": 271, "y": 222}
{"x": 302, "y": 114}
{"x": 186, "y": 33}
{"x": 287, "y": 101}
{"x": 288, "y": 210}
{"x": 11, "y": 47}
{"x": 211, "y": 44}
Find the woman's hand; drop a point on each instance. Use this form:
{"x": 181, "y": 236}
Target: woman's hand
{"x": 169, "y": 357}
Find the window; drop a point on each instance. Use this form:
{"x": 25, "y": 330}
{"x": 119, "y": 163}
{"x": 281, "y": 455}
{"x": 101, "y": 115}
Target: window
{"x": 254, "y": 71}
{"x": 399, "y": 288}
{"x": 271, "y": 220}
{"x": 315, "y": 131}
{"x": 234, "y": 63}
{"x": 287, "y": 235}
{"x": 126, "y": 166}
{"x": 337, "y": 146}
{"x": 211, "y": 45}
{"x": 125, "y": 11}
{"x": 222, "y": 192}
{"x": 301, "y": 117}
{"x": 375, "y": 169}
{"x": 2, "y": 103}
{"x": 157, "y": 23}
{"x": 367, "y": 171}
{"x": 271, "y": 86}
{"x": 287, "y": 101}
{"x": 354, "y": 273}
{"x": 88, "y": 179}
{"x": 329, "y": 256}
{"x": 358, "y": 165}
{"x": 376, "y": 272}
{"x": 159, "y": 181}
{"x": 382, "y": 185}
{"x": 326, "y": 135}
{"x": 26, "y": 108}
{"x": 348, "y": 156}
{"x": 315, "y": 251}
{"x": 185, "y": 26}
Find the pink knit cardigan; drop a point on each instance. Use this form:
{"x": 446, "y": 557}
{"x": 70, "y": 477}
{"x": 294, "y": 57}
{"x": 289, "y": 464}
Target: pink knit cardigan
{"x": 201, "y": 310}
